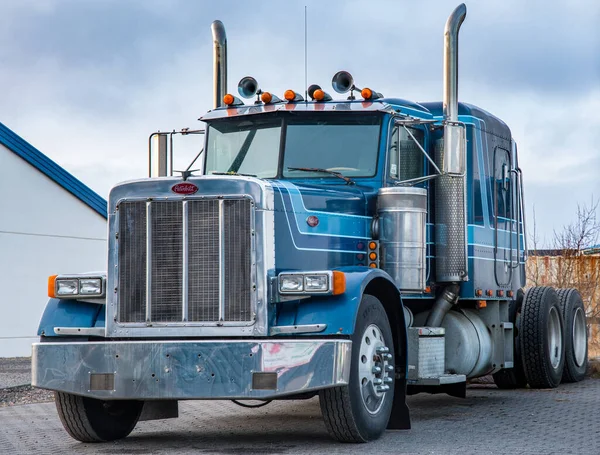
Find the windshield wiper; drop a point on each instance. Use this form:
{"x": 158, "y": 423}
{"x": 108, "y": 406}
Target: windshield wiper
{"x": 339, "y": 175}
{"x": 232, "y": 173}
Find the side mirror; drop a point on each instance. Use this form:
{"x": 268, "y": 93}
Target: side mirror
{"x": 455, "y": 150}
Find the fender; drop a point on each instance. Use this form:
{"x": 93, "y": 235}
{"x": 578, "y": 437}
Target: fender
{"x": 70, "y": 313}
{"x": 338, "y": 312}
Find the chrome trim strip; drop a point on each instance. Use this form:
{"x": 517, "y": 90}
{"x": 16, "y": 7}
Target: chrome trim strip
{"x": 168, "y": 370}
{"x": 308, "y": 328}
{"x": 221, "y": 260}
{"x": 91, "y": 331}
{"x": 148, "y": 261}
{"x": 184, "y": 262}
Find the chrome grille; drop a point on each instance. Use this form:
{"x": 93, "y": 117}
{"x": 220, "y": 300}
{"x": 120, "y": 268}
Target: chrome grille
{"x": 166, "y": 262}
{"x": 132, "y": 277}
{"x": 191, "y": 262}
{"x": 237, "y": 251}
{"x": 203, "y": 252}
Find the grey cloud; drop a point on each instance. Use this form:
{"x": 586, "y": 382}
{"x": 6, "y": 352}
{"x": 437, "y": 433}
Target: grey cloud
{"x": 86, "y": 82}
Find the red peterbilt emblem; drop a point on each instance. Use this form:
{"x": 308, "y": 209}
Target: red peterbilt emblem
{"x": 184, "y": 188}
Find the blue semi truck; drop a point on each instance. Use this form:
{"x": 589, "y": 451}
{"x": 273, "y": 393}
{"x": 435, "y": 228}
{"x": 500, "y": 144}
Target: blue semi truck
{"x": 359, "y": 249}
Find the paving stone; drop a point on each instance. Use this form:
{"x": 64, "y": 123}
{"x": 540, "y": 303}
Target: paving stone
{"x": 489, "y": 421}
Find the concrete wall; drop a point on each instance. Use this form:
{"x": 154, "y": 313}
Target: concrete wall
{"x": 44, "y": 230}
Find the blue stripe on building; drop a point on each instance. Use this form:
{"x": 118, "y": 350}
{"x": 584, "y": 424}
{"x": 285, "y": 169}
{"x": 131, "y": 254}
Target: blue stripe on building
{"x": 53, "y": 171}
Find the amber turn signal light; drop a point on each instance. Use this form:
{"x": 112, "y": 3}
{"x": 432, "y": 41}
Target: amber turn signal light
{"x": 52, "y": 286}
{"x": 339, "y": 283}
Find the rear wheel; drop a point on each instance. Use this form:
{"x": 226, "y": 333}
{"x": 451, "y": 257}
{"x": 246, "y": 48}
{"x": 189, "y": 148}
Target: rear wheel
{"x": 360, "y": 411}
{"x": 90, "y": 420}
{"x": 541, "y": 338}
{"x": 575, "y": 332}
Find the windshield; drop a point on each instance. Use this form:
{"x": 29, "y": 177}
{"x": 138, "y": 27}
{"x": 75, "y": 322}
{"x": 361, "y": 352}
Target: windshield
{"x": 246, "y": 147}
{"x": 347, "y": 144}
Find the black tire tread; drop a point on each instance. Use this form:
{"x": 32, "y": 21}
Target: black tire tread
{"x": 568, "y": 374}
{"x": 338, "y": 417}
{"x": 71, "y": 412}
{"x": 531, "y": 336}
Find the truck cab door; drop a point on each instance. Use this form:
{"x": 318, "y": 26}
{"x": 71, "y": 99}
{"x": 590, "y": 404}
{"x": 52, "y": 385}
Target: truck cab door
{"x": 505, "y": 235}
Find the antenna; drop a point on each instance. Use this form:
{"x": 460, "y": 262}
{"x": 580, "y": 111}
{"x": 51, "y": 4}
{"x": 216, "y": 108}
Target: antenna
{"x": 305, "y": 55}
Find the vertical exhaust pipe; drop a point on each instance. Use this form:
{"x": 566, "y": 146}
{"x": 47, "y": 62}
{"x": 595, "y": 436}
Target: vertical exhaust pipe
{"x": 219, "y": 62}
{"x": 450, "y": 197}
{"x": 451, "y": 62}
{"x": 454, "y": 153}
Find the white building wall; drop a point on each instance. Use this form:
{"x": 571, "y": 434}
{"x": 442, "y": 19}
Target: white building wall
{"x": 44, "y": 230}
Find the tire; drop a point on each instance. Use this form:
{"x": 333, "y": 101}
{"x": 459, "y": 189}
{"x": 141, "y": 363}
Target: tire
{"x": 576, "y": 337}
{"x": 513, "y": 378}
{"x": 90, "y": 420}
{"x": 541, "y": 338}
{"x": 359, "y": 411}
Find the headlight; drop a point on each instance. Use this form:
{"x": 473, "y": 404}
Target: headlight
{"x": 326, "y": 282}
{"x": 67, "y": 287}
{"x": 73, "y": 286}
{"x": 291, "y": 283}
{"x": 318, "y": 283}
{"x": 90, "y": 286}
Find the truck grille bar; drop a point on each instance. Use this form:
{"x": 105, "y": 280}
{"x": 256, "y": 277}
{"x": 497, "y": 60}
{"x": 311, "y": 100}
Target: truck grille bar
{"x": 182, "y": 262}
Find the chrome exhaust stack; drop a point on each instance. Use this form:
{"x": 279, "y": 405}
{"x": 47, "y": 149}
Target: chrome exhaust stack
{"x": 454, "y": 152}
{"x": 450, "y": 154}
{"x": 219, "y": 62}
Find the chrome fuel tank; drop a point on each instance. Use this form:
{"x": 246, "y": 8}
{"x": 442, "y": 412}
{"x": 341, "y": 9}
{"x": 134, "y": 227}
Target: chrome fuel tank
{"x": 402, "y": 215}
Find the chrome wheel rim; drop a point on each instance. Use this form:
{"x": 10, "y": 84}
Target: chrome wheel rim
{"x": 579, "y": 337}
{"x": 375, "y": 369}
{"x": 554, "y": 338}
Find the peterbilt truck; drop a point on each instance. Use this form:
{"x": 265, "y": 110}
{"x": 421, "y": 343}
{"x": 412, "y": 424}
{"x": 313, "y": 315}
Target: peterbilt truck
{"x": 360, "y": 249}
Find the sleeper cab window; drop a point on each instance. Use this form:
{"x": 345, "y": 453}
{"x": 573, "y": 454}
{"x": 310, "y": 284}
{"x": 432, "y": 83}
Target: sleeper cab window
{"x": 406, "y": 159}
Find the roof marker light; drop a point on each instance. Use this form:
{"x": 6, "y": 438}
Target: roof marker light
{"x": 230, "y": 100}
{"x": 290, "y": 95}
{"x": 268, "y": 97}
{"x": 369, "y": 94}
{"x": 320, "y": 95}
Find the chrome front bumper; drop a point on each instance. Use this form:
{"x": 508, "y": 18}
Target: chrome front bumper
{"x": 225, "y": 369}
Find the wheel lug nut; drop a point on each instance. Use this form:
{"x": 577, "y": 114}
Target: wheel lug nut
{"x": 389, "y": 368}
{"x": 382, "y": 388}
{"x": 382, "y": 350}
{"x": 377, "y": 381}
{"x": 386, "y": 356}
{"x": 376, "y": 370}
{"x": 387, "y": 380}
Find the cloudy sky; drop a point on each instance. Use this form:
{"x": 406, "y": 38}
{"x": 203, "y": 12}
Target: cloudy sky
{"x": 87, "y": 81}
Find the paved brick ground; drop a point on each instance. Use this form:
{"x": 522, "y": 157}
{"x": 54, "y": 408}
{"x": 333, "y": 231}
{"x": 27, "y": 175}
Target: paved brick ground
{"x": 490, "y": 421}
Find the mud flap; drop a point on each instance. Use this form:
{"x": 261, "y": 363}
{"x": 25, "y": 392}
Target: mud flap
{"x": 400, "y": 417}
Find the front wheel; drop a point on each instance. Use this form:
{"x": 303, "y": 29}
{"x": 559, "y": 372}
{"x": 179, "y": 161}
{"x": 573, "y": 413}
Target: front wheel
{"x": 90, "y": 420}
{"x": 359, "y": 411}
